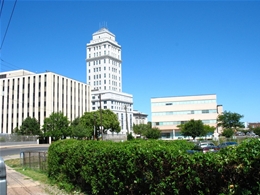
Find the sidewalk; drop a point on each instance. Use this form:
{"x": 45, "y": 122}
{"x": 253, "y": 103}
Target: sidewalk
{"x": 18, "y": 184}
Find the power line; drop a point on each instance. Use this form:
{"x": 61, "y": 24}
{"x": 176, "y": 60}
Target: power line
{"x": 8, "y": 24}
{"x": 1, "y": 8}
{"x": 7, "y": 64}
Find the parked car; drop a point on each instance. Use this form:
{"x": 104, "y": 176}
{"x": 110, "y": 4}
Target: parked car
{"x": 205, "y": 146}
{"x": 226, "y": 144}
{"x": 239, "y": 133}
{"x": 251, "y": 134}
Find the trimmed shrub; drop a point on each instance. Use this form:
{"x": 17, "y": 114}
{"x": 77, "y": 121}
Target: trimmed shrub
{"x": 154, "y": 167}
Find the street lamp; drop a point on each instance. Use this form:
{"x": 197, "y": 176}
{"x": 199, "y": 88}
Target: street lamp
{"x": 126, "y": 119}
{"x": 95, "y": 116}
{"x": 101, "y": 127}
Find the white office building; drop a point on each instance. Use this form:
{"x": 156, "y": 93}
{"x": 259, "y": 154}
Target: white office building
{"x": 169, "y": 112}
{"x": 104, "y": 74}
{"x": 140, "y": 117}
{"x": 26, "y": 94}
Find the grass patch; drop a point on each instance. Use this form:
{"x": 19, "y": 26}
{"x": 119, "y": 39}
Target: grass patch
{"x": 36, "y": 175}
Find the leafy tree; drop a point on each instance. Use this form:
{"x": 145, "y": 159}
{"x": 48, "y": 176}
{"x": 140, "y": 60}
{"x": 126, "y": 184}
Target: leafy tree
{"x": 230, "y": 120}
{"x": 153, "y": 133}
{"x": 193, "y": 128}
{"x": 79, "y": 130}
{"x": 16, "y": 130}
{"x": 56, "y": 126}
{"x": 30, "y": 126}
{"x": 109, "y": 121}
{"x": 209, "y": 129}
{"x": 141, "y": 129}
{"x": 130, "y": 136}
{"x": 256, "y": 130}
{"x": 228, "y": 132}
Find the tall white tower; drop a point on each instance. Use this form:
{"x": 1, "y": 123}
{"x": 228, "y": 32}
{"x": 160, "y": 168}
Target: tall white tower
{"x": 104, "y": 75}
{"x": 104, "y": 62}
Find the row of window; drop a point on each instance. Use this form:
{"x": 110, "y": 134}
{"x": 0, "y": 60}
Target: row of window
{"x": 98, "y": 47}
{"x": 211, "y": 121}
{"x": 97, "y": 69}
{"x": 184, "y": 112}
{"x": 97, "y": 62}
{"x": 184, "y": 102}
{"x": 98, "y": 76}
{"x": 114, "y": 83}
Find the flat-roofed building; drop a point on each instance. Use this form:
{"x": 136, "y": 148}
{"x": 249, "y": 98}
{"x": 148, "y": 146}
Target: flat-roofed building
{"x": 169, "y": 112}
{"x": 25, "y": 93}
{"x": 104, "y": 74}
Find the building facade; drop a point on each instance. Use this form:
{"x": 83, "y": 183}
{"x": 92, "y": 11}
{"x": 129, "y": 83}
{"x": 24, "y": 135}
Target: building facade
{"x": 104, "y": 69}
{"x": 26, "y": 94}
{"x": 104, "y": 74}
{"x": 140, "y": 118}
{"x": 169, "y": 112}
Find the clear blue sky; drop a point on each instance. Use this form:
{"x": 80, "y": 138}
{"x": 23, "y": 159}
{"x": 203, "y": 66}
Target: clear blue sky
{"x": 169, "y": 48}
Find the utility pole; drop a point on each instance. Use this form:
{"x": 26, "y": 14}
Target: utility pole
{"x": 101, "y": 127}
{"x": 126, "y": 118}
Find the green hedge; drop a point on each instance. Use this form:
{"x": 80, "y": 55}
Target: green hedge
{"x": 154, "y": 167}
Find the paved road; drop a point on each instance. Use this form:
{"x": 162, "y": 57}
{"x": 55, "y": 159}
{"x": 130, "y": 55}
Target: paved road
{"x": 17, "y": 149}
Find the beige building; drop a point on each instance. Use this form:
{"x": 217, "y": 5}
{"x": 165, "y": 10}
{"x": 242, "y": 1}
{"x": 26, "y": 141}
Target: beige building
{"x": 26, "y": 94}
{"x": 169, "y": 112}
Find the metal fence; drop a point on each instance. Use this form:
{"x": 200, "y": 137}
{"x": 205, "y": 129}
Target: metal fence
{"x": 115, "y": 137}
{"x": 34, "y": 159}
{"x": 6, "y": 138}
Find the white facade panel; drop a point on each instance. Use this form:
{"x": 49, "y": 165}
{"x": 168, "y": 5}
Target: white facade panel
{"x": 38, "y": 95}
{"x": 169, "y": 112}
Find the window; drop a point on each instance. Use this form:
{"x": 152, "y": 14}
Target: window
{"x": 104, "y": 46}
{"x": 88, "y": 70}
{"x": 94, "y": 63}
{"x": 104, "y": 75}
{"x": 99, "y": 68}
{"x": 100, "y": 76}
{"x": 104, "y": 81}
{"x": 104, "y": 52}
{"x": 205, "y": 111}
{"x": 104, "y": 61}
{"x": 104, "y": 68}
{"x": 89, "y": 55}
{"x": 93, "y": 108}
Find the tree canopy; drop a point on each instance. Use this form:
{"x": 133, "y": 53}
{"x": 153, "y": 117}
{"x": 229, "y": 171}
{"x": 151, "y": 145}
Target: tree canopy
{"x": 230, "y": 120}
{"x": 147, "y": 131}
{"x": 56, "y": 126}
{"x": 109, "y": 121}
{"x": 30, "y": 126}
{"x": 193, "y": 128}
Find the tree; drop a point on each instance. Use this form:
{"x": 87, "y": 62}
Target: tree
{"x": 30, "y": 126}
{"x": 193, "y": 128}
{"x": 256, "y": 130}
{"x": 109, "y": 121}
{"x": 80, "y": 131}
{"x": 209, "y": 129}
{"x": 56, "y": 126}
{"x": 141, "y": 129}
{"x": 229, "y": 120}
{"x": 153, "y": 133}
{"x": 228, "y": 132}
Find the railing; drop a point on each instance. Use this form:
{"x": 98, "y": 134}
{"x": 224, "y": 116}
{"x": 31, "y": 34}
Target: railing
{"x": 115, "y": 137}
{"x": 11, "y": 138}
{"x": 34, "y": 159}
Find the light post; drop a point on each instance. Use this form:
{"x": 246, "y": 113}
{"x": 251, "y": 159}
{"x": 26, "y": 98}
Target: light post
{"x": 95, "y": 116}
{"x": 101, "y": 127}
{"x": 126, "y": 118}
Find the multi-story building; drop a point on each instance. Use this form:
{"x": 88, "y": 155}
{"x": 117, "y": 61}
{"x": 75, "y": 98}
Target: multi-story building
{"x": 169, "y": 112}
{"x": 104, "y": 74}
{"x": 139, "y": 117}
{"x": 26, "y": 94}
